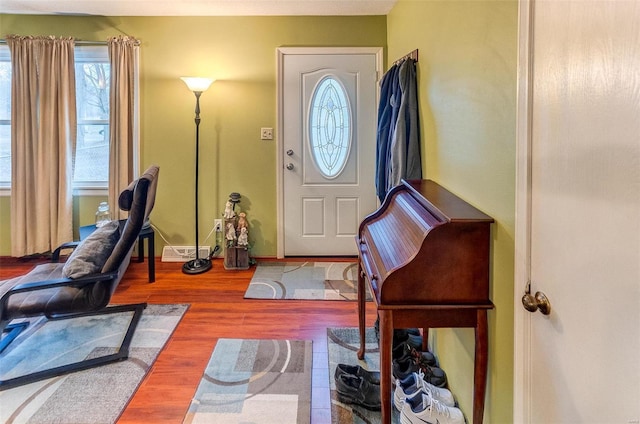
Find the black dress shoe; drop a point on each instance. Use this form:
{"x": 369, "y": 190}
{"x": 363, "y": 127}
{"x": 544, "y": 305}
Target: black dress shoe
{"x": 372, "y": 377}
{"x": 356, "y": 390}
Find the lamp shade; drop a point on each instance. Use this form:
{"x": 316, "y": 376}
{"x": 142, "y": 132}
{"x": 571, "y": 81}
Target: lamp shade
{"x": 197, "y": 84}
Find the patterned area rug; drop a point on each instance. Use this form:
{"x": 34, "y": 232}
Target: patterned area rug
{"x": 97, "y": 395}
{"x": 255, "y": 381}
{"x": 304, "y": 280}
{"x": 343, "y": 345}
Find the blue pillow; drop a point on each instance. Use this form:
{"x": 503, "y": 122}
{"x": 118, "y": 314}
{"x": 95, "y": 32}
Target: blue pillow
{"x": 90, "y": 256}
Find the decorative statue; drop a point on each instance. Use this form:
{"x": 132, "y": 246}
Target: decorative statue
{"x": 231, "y": 234}
{"x": 243, "y": 238}
{"x": 242, "y": 221}
{"x": 228, "y": 210}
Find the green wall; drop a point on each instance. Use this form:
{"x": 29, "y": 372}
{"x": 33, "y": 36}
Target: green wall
{"x": 467, "y": 77}
{"x": 240, "y": 52}
{"x": 467, "y": 88}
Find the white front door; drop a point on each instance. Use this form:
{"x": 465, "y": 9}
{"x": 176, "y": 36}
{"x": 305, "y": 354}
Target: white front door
{"x": 578, "y": 229}
{"x": 327, "y": 133}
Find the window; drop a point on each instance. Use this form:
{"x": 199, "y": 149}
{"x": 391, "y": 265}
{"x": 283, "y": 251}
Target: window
{"x": 330, "y": 127}
{"x": 92, "y": 103}
{"x": 5, "y": 116}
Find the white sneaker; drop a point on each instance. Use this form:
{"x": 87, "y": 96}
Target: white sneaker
{"x": 415, "y": 383}
{"x": 423, "y": 409}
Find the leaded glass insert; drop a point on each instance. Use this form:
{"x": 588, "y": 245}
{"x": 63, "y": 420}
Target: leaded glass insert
{"x": 330, "y": 127}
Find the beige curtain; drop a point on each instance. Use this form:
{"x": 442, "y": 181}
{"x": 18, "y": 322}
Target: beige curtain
{"x": 43, "y": 137}
{"x": 123, "y": 56}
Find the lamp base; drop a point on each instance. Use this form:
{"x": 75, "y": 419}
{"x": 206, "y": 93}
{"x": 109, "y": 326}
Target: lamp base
{"x": 196, "y": 266}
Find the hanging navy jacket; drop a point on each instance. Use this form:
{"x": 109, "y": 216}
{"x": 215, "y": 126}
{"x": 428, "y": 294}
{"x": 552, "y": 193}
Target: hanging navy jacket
{"x": 386, "y": 121}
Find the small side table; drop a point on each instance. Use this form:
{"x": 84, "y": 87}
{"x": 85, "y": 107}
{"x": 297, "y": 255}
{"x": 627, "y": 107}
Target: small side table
{"x": 145, "y": 234}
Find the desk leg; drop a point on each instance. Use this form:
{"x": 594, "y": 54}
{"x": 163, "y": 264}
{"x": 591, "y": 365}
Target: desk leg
{"x": 361, "y": 310}
{"x": 386, "y": 339}
{"x": 480, "y": 369}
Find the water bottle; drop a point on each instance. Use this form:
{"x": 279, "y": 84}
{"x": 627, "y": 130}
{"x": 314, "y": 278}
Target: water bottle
{"x": 103, "y": 215}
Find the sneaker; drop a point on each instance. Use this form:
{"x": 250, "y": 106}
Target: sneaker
{"x": 405, "y": 349}
{"x": 423, "y": 409}
{"x": 414, "y": 384}
{"x": 399, "y": 334}
{"x": 403, "y": 367}
{"x": 404, "y": 335}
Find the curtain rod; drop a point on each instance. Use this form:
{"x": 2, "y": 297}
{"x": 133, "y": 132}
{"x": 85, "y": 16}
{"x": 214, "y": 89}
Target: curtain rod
{"x": 91, "y": 43}
{"x": 77, "y": 42}
{"x": 411, "y": 55}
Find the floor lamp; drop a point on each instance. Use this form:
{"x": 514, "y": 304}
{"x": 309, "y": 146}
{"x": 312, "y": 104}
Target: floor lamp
{"x": 198, "y": 86}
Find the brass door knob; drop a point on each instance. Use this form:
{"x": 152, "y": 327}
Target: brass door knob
{"x": 539, "y": 301}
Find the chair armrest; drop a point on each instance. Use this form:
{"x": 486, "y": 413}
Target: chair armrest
{"x": 60, "y": 282}
{"x": 55, "y": 256}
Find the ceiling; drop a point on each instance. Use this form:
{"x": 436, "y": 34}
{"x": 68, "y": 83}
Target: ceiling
{"x": 198, "y": 7}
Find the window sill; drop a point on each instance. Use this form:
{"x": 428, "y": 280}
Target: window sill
{"x": 77, "y": 192}
{"x": 90, "y": 191}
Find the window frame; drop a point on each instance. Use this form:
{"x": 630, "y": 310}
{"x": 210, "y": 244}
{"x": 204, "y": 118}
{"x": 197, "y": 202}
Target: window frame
{"x": 88, "y": 52}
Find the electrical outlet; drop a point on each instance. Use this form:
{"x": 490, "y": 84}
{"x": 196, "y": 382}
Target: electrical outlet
{"x": 266, "y": 133}
{"x": 217, "y": 224}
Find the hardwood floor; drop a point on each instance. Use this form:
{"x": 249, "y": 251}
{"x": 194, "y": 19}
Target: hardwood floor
{"x": 218, "y": 310}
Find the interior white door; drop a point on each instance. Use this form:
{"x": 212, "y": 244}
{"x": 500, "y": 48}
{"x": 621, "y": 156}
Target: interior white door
{"x": 328, "y": 130}
{"x": 579, "y": 189}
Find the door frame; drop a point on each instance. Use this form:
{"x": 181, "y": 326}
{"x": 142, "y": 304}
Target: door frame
{"x": 281, "y": 53}
{"x": 522, "y": 273}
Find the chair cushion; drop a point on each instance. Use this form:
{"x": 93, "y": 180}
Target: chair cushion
{"x": 90, "y": 256}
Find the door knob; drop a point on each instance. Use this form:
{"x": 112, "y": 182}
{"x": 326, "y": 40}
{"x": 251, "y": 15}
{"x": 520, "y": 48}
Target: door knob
{"x": 533, "y": 303}
{"x": 289, "y": 152}
{"x": 290, "y": 166}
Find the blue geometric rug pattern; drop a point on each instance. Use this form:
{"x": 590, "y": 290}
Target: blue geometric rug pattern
{"x": 97, "y": 395}
{"x": 255, "y": 381}
{"x": 304, "y": 280}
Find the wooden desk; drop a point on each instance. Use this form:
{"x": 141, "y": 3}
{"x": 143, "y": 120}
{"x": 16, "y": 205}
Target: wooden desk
{"x": 425, "y": 256}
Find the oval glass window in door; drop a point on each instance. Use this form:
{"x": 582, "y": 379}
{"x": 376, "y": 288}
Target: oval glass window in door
{"x": 330, "y": 127}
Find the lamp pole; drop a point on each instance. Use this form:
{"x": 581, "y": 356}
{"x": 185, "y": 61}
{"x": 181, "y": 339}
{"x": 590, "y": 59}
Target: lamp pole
{"x": 198, "y": 86}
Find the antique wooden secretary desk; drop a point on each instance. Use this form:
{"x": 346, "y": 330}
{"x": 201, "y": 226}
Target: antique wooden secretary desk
{"x": 425, "y": 256}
